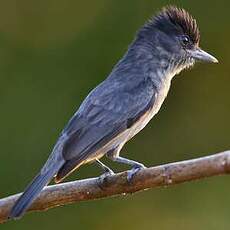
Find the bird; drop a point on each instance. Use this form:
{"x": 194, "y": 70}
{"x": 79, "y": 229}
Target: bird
{"x": 122, "y": 105}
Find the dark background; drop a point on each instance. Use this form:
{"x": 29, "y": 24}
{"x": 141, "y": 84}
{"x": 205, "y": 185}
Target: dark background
{"x": 53, "y": 52}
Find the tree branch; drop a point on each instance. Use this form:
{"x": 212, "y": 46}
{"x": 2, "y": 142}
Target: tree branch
{"x": 96, "y": 188}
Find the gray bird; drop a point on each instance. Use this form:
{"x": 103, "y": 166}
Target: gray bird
{"x": 123, "y": 104}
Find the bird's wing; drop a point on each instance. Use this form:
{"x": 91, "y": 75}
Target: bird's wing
{"x": 103, "y": 116}
{"x": 107, "y": 111}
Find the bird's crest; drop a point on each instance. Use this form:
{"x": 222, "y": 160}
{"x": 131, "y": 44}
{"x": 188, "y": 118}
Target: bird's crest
{"x": 177, "y": 20}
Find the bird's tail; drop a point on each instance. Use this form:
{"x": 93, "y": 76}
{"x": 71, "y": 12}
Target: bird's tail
{"x": 31, "y": 192}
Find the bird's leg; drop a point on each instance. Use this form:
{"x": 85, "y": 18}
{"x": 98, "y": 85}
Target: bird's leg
{"x": 106, "y": 169}
{"x": 136, "y": 166}
{"x": 107, "y": 172}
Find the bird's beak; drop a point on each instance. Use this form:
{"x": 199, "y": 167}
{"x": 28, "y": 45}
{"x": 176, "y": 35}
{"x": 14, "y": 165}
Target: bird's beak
{"x": 200, "y": 55}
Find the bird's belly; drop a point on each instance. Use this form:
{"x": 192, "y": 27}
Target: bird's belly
{"x": 119, "y": 140}
{"x": 144, "y": 120}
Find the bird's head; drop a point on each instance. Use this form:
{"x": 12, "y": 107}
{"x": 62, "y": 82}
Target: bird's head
{"x": 174, "y": 36}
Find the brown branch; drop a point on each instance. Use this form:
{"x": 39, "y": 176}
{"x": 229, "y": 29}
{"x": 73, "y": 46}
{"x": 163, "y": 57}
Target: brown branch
{"x": 95, "y": 188}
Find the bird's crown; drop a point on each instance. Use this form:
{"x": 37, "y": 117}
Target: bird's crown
{"x": 172, "y": 19}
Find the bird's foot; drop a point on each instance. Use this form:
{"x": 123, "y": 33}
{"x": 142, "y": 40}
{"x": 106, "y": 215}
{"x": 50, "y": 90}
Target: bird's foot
{"x": 103, "y": 177}
{"x": 131, "y": 173}
{"x": 108, "y": 172}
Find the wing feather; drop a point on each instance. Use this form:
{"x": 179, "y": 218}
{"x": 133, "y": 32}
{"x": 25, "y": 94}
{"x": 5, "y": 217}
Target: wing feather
{"x": 105, "y": 113}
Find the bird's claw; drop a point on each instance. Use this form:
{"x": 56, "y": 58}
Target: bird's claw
{"x": 131, "y": 173}
{"x": 103, "y": 177}
{"x": 107, "y": 173}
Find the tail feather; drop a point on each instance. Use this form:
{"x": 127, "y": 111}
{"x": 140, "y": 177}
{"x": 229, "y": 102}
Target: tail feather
{"x": 31, "y": 192}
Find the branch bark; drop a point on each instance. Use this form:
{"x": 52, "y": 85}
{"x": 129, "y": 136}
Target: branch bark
{"x": 96, "y": 188}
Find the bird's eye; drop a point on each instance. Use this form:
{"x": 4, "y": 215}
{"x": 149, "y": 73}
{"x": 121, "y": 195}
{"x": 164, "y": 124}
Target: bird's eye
{"x": 185, "y": 40}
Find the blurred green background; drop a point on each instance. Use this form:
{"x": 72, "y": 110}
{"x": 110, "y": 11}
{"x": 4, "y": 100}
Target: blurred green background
{"x": 53, "y": 52}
